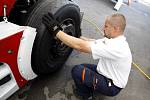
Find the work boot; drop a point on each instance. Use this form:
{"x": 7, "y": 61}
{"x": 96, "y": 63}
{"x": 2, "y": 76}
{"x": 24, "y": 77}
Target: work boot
{"x": 75, "y": 92}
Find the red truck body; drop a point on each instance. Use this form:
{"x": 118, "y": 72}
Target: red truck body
{"x": 27, "y": 50}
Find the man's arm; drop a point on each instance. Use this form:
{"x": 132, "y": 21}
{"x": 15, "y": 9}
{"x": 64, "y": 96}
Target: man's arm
{"x": 73, "y": 42}
{"x": 55, "y": 29}
{"x": 86, "y": 39}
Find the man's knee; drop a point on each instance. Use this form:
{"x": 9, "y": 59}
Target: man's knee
{"x": 77, "y": 71}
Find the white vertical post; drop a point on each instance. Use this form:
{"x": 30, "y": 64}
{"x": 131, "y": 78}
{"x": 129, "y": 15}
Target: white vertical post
{"x": 118, "y": 5}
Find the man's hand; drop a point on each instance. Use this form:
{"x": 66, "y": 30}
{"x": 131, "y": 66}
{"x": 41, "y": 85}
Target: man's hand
{"x": 51, "y": 23}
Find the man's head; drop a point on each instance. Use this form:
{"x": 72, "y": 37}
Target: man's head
{"x": 114, "y": 25}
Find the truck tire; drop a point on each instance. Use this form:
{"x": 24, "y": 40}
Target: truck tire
{"x": 49, "y": 53}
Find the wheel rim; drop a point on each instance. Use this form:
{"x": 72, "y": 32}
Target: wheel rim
{"x": 58, "y": 48}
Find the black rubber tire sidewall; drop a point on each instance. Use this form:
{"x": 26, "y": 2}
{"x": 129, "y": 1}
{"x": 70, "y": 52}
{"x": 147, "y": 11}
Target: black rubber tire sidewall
{"x": 40, "y": 59}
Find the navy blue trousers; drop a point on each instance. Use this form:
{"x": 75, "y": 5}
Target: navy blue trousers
{"x": 86, "y": 88}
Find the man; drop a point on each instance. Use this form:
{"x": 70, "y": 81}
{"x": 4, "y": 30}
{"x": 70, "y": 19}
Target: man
{"x": 111, "y": 73}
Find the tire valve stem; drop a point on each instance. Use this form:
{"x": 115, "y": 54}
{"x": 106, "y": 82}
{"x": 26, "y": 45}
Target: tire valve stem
{"x": 28, "y": 2}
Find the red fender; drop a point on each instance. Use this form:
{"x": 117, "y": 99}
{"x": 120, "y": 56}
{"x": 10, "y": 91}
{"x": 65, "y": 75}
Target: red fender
{"x": 8, "y": 54}
{"x": 9, "y": 4}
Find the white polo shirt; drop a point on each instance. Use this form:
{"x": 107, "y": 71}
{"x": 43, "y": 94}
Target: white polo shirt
{"x": 114, "y": 59}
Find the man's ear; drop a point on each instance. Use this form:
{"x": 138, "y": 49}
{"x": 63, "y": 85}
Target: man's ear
{"x": 117, "y": 28}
